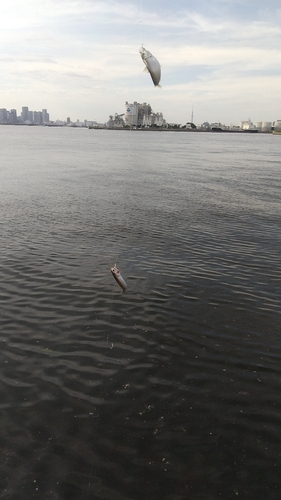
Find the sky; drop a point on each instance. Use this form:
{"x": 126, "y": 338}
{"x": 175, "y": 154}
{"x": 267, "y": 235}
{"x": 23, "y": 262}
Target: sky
{"x": 80, "y": 58}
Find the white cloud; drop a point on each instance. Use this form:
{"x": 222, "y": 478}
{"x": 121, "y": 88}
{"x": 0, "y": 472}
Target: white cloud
{"x": 84, "y": 55}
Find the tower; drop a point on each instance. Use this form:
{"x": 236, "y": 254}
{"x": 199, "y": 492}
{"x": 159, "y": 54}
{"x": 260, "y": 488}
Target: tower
{"x": 24, "y": 113}
{"x": 131, "y": 113}
{"x": 45, "y": 116}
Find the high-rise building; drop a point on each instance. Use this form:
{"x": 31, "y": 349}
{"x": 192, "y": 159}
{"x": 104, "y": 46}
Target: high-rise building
{"x": 24, "y": 113}
{"x": 3, "y": 115}
{"x": 38, "y": 120}
{"x": 30, "y": 116}
{"x": 13, "y": 116}
{"x": 45, "y": 116}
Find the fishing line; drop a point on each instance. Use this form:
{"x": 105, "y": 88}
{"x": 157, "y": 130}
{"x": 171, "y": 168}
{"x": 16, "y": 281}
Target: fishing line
{"x": 123, "y": 219}
{"x": 121, "y": 240}
{"x": 141, "y": 26}
{"x": 117, "y": 247}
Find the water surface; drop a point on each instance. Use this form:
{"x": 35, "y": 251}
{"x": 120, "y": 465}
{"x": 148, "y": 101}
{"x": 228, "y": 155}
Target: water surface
{"x": 172, "y": 389}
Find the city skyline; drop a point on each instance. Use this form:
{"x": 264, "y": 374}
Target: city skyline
{"x": 146, "y": 118}
{"x": 26, "y": 117}
{"x": 82, "y": 58}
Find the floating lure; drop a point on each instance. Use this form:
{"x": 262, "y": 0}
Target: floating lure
{"x": 152, "y": 65}
{"x": 117, "y": 275}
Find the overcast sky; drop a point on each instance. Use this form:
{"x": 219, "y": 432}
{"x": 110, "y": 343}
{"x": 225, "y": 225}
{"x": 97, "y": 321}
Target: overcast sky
{"x": 81, "y": 59}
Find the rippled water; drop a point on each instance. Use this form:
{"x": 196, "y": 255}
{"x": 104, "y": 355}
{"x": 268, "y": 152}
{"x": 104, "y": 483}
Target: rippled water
{"x": 172, "y": 389}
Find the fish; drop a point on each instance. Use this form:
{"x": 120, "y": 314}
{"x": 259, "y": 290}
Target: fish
{"x": 152, "y": 65}
{"x": 117, "y": 275}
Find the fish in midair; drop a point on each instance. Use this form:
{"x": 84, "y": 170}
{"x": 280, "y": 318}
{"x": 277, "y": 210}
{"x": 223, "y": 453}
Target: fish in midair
{"x": 152, "y": 65}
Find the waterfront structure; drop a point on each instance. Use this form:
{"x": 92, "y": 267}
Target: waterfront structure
{"x": 116, "y": 121}
{"x": 142, "y": 115}
{"x": 260, "y": 126}
{"x": 247, "y": 125}
{"x": 263, "y": 126}
{"x": 205, "y": 126}
{"x": 136, "y": 115}
{"x": 266, "y": 126}
{"x": 131, "y": 114}
{"x": 277, "y": 127}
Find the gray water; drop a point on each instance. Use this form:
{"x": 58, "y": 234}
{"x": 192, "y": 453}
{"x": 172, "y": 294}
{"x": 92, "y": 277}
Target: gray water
{"x": 170, "y": 390}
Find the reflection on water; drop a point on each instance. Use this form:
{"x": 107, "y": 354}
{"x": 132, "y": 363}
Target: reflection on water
{"x": 170, "y": 390}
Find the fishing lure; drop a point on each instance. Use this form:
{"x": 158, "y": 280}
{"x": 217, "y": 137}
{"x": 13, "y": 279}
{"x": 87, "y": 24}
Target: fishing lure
{"x": 117, "y": 275}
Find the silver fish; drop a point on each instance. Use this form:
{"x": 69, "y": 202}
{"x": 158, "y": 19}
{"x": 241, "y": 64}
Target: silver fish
{"x": 152, "y": 65}
{"x": 117, "y": 275}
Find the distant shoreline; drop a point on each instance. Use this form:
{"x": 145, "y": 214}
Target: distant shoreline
{"x": 182, "y": 130}
{"x": 147, "y": 129}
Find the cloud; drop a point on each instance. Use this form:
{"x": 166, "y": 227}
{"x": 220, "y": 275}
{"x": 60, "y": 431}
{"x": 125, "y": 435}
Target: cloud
{"x": 85, "y": 53}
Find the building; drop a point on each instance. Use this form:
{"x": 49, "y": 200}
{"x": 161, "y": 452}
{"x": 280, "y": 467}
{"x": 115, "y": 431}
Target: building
{"x": 116, "y": 121}
{"x": 158, "y": 120}
{"x": 30, "y": 117}
{"x": 144, "y": 115}
{"x": 266, "y": 126}
{"x": 45, "y": 116}
{"x": 13, "y": 119}
{"x": 26, "y": 117}
{"x": 37, "y": 117}
{"x": 131, "y": 114}
{"x": 3, "y": 115}
{"x": 141, "y": 115}
{"x": 277, "y": 126}
{"x": 247, "y": 125}
{"x": 24, "y": 113}
{"x": 8, "y": 116}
